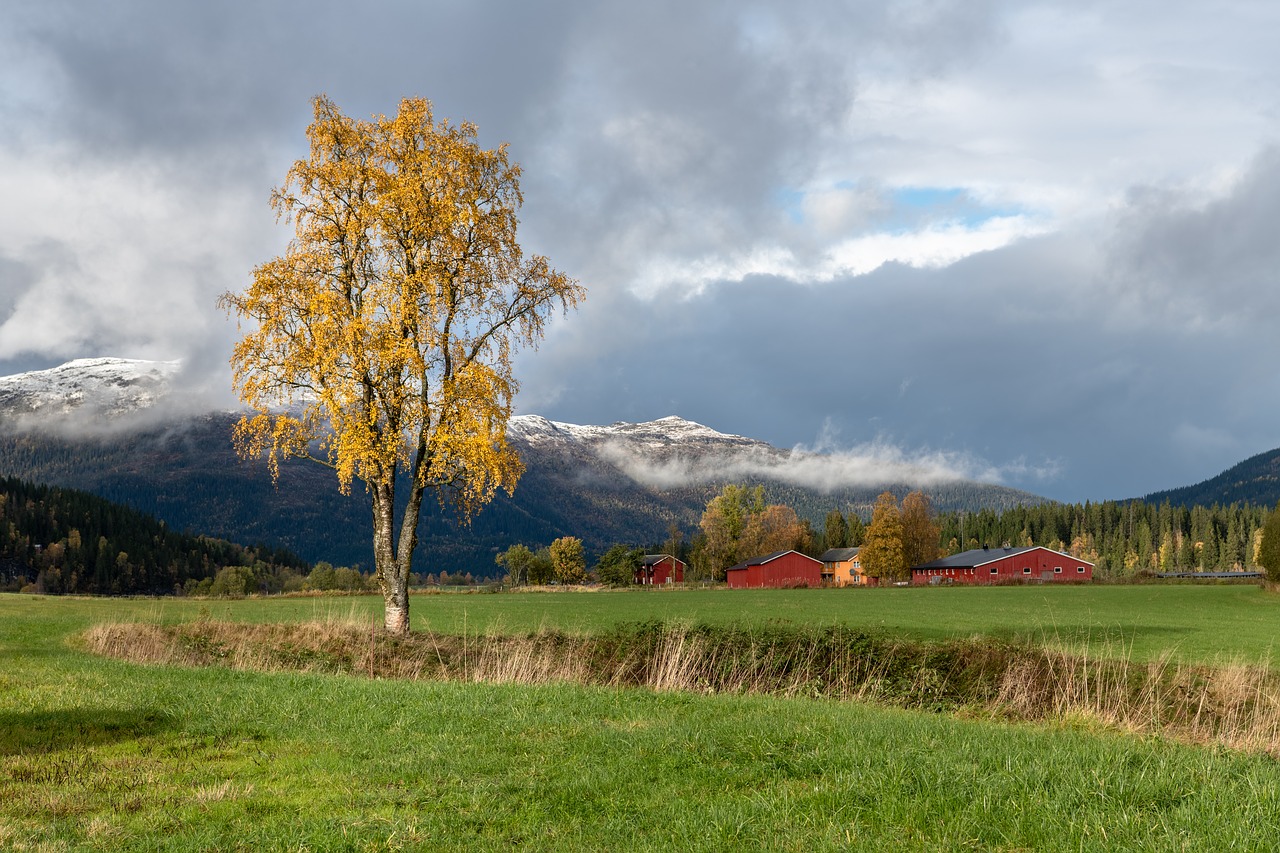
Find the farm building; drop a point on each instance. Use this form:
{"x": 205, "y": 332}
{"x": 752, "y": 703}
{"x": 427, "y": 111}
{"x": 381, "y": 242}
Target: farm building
{"x": 1004, "y": 565}
{"x": 842, "y": 567}
{"x": 660, "y": 569}
{"x": 779, "y": 569}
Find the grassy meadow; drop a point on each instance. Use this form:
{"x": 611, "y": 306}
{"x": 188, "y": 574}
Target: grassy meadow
{"x": 1192, "y": 623}
{"x": 97, "y": 754}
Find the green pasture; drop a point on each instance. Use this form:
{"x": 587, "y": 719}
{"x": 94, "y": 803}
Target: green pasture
{"x": 101, "y": 755}
{"x": 1207, "y": 624}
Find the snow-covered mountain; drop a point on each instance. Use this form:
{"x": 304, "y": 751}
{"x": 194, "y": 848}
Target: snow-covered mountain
{"x": 100, "y": 386}
{"x": 663, "y": 434}
{"x": 119, "y": 386}
{"x": 659, "y": 440}
{"x": 667, "y": 454}
{"x": 624, "y": 482}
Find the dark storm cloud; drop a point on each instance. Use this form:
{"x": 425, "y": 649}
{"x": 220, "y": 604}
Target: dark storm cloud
{"x": 149, "y": 134}
{"x": 1003, "y": 360}
{"x": 226, "y": 80}
{"x": 720, "y": 175}
{"x": 1212, "y": 262}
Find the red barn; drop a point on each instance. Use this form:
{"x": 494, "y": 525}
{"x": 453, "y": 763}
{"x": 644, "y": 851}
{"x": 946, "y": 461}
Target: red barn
{"x": 779, "y": 569}
{"x": 1004, "y": 565}
{"x": 660, "y": 569}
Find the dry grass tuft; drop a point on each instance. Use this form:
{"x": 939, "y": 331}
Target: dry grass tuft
{"x": 1235, "y": 705}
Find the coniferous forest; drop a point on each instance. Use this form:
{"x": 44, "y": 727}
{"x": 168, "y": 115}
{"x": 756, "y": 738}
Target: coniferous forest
{"x": 66, "y": 541}
{"x": 1122, "y": 539}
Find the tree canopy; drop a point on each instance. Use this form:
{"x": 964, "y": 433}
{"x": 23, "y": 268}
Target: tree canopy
{"x": 380, "y": 343}
{"x": 568, "y": 560}
{"x": 920, "y": 532}
{"x": 835, "y": 530}
{"x": 737, "y": 525}
{"x": 881, "y": 554}
{"x": 1269, "y": 547}
{"x": 618, "y": 565}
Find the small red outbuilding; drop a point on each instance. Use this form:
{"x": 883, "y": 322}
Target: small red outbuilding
{"x": 779, "y": 569}
{"x": 660, "y": 569}
{"x": 1004, "y": 565}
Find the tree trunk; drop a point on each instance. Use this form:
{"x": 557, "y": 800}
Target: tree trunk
{"x": 392, "y": 577}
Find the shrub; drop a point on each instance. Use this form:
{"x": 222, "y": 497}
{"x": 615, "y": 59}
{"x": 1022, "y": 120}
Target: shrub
{"x": 234, "y": 582}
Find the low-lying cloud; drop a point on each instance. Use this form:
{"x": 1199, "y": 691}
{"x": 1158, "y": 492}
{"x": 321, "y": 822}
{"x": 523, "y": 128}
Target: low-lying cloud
{"x": 870, "y": 465}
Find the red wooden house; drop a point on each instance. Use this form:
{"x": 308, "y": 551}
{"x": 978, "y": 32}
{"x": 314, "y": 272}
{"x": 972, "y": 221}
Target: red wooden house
{"x": 1004, "y": 565}
{"x": 779, "y": 569}
{"x": 660, "y": 569}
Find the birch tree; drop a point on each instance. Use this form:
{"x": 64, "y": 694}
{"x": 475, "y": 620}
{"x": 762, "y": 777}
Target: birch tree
{"x": 380, "y": 343}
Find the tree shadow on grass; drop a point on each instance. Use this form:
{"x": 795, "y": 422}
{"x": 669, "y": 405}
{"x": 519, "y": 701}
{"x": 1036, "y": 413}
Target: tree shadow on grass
{"x": 34, "y": 732}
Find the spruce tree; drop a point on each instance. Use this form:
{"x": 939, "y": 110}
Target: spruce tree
{"x": 1269, "y": 552}
{"x": 835, "y": 531}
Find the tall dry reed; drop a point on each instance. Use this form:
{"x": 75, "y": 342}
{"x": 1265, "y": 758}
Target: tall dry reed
{"x": 1235, "y": 704}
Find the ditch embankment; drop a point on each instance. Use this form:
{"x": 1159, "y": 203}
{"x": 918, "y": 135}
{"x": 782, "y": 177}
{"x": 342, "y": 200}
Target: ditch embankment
{"x": 1234, "y": 705}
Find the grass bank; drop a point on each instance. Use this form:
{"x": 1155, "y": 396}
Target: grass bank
{"x": 1234, "y": 705}
{"x": 101, "y": 754}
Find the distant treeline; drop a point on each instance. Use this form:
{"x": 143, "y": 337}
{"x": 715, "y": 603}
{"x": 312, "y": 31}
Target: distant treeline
{"x": 1120, "y": 538}
{"x": 59, "y": 540}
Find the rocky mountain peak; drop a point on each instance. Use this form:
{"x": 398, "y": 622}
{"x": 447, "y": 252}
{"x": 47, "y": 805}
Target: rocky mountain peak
{"x": 107, "y": 386}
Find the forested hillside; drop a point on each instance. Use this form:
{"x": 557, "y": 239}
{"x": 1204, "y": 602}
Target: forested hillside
{"x": 1256, "y": 480}
{"x": 68, "y": 541}
{"x": 187, "y": 474}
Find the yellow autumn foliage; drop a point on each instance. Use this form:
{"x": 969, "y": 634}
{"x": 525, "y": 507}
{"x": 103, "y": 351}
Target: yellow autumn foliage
{"x": 382, "y": 339}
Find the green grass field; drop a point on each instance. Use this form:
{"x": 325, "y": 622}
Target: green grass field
{"x": 1207, "y": 624}
{"x": 102, "y": 755}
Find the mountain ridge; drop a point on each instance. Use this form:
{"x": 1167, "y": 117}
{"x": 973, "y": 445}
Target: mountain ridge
{"x": 623, "y": 482}
{"x": 1255, "y": 480}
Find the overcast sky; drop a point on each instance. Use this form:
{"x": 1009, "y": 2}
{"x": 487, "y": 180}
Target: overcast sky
{"x": 1032, "y": 242}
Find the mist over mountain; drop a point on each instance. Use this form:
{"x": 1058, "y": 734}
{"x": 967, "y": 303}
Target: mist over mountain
{"x": 102, "y": 425}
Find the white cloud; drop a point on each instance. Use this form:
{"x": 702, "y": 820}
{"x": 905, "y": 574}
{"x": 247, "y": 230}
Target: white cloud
{"x": 660, "y": 141}
{"x": 122, "y": 261}
{"x": 933, "y": 247}
{"x": 875, "y": 464}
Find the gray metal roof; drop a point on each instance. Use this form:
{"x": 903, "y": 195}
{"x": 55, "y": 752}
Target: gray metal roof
{"x": 838, "y": 555}
{"x": 654, "y": 559}
{"x": 976, "y": 557}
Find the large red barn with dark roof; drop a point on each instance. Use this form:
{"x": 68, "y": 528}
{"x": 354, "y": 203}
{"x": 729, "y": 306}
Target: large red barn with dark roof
{"x": 779, "y": 569}
{"x": 1035, "y": 564}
